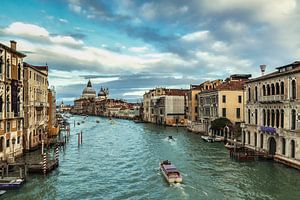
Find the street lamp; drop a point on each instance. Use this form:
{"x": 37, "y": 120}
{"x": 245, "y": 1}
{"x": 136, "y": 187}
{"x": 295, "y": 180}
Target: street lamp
{"x": 13, "y": 140}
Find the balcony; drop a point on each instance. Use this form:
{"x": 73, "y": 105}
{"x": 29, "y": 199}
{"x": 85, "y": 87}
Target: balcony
{"x": 271, "y": 99}
{"x": 9, "y": 115}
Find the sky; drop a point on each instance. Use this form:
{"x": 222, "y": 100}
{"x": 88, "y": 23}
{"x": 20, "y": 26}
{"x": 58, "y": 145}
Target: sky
{"x": 132, "y": 46}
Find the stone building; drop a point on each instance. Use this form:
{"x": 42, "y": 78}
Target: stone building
{"x": 272, "y": 116}
{"x": 53, "y": 128}
{"x": 35, "y": 105}
{"x": 11, "y": 101}
{"x": 226, "y": 100}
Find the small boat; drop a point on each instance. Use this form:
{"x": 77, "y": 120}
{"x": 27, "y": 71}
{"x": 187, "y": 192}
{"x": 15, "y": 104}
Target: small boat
{"x": 78, "y": 123}
{"x": 11, "y": 183}
{"x": 97, "y": 121}
{"x": 82, "y": 122}
{"x": 170, "y": 172}
{"x": 207, "y": 138}
{"x": 218, "y": 139}
{"x": 229, "y": 146}
{"x": 138, "y": 121}
{"x": 170, "y": 137}
{"x": 2, "y": 192}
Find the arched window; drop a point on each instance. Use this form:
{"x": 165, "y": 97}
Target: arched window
{"x": 268, "y": 90}
{"x": 256, "y": 93}
{"x": 264, "y": 90}
{"x": 277, "y": 88}
{"x": 249, "y": 137}
{"x": 283, "y": 146}
{"x": 282, "y": 118}
{"x": 244, "y": 137}
{"x": 292, "y": 148}
{"x": 293, "y": 89}
{"x": 272, "y": 118}
{"x": 273, "y": 89}
{"x": 277, "y": 118}
{"x": 282, "y": 87}
{"x": 255, "y": 139}
{"x": 249, "y": 116}
{"x": 255, "y": 116}
{"x": 261, "y": 140}
{"x": 7, "y": 69}
{"x": 293, "y": 125}
{"x": 7, "y": 104}
{"x": 268, "y": 117}
{"x": 264, "y": 117}
{"x": 249, "y": 94}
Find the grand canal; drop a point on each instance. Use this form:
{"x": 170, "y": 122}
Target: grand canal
{"x": 119, "y": 160}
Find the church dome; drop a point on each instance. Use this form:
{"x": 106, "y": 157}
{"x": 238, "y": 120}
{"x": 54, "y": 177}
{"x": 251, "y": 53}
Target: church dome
{"x": 88, "y": 91}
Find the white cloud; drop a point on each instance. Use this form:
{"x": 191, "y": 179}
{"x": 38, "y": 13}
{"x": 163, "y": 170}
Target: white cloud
{"x": 138, "y": 49}
{"x": 38, "y": 32}
{"x": 220, "y": 46}
{"x": 63, "y": 20}
{"x": 75, "y": 8}
{"x": 196, "y": 36}
{"x": 234, "y": 27}
{"x": 135, "y": 93}
{"x": 20, "y": 28}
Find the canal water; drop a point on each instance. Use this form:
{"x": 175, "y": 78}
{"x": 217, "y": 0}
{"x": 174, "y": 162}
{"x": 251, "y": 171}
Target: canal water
{"x": 119, "y": 159}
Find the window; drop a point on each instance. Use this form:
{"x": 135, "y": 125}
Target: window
{"x": 240, "y": 99}
{"x": 293, "y": 149}
{"x": 277, "y": 118}
{"x": 277, "y": 88}
{"x": 272, "y": 118}
{"x": 7, "y": 143}
{"x": 255, "y": 117}
{"x": 249, "y": 94}
{"x": 1, "y": 62}
{"x": 18, "y": 140}
{"x": 249, "y": 116}
{"x": 282, "y": 118}
{"x": 283, "y": 146}
{"x": 268, "y": 117}
{"x": 256, "y": 97}
{"x": 224, "y": 98}
{"x": 268, "y": 90}
{"x": 1, "y": 143}
{"x": 7, "y": 126}
{"x": 7, "y": 69}
{"x": 264, "y": 90}
{"x": 255, "y": 139}
{"x": 293, "y": 126}
{"x": 293, "y": 89}
{"x": 273, "y": 89}
{"x": 238, "y": 113}
{"x": 264, "y": 117}
{"x": 1, "y": 104}
{"x": 224, "y": 112}
{"x": 196, "y": 109}
{"x": 249, "y": 137}
{"x": 282, "y": 87}
{"x": 261, "y": 140}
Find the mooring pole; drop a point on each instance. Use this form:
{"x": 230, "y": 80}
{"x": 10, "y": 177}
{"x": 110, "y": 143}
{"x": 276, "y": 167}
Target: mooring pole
{"x": 78, "y": 138}
{"x": 45, "y": 163}
{"x": 81, "y": 137}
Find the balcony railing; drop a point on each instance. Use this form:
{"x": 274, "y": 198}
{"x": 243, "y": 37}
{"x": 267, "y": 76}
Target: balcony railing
{"x": 272, "y": 98}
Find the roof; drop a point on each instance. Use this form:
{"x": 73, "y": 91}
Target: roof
{"x": 25, "y": 64}
{"x": 295, "y": 69}
{"x": 176, "y": 92}
{"x": 12, "y": 50}
{"x": 231, "y": 85}
{"x": 41, "y": 67}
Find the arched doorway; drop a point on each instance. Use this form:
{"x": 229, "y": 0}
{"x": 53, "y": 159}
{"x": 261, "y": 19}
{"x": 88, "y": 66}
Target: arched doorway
{"x": 272, "y": 146}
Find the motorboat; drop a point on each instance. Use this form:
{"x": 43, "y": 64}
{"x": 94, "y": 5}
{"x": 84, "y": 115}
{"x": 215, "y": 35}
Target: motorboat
{"x": 207, "y": 138}
{"x": 78, "y": 123}
{"x": 97, "y": 121}
{"x": 2, "y": 192}
{"x": 11, "y": 183}
{"x": 170, "y": 172}
{"x": 218, "y": 139}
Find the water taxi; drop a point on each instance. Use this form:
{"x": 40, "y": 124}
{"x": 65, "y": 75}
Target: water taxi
{"x": 170, "y": 172}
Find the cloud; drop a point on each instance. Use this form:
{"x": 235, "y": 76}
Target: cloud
{"x": 31, "y": 30}
{"x": 196, "y": 36}
{"x": 63, "y": 20}
{"x": 138, "y": 49}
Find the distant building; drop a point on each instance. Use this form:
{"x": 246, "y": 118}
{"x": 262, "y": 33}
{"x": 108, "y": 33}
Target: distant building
{"x": 226, "y": 100}
{"x": 35, "y": 105}
{"x": 53, "y": 128}
{"x": 11, "y": 102}
{"x": 272, "y": 116}
{"x": 165, "y": 106}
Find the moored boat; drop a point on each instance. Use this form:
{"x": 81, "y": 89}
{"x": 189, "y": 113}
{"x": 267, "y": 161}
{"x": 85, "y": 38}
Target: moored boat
{"x": 170, "y": 172}
{"x": 229, "y": 146}
{"x": 207, "y": 138}
{"x": 11, "y": 183}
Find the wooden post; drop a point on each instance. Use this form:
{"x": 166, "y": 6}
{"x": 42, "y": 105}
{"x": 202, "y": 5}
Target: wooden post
{"x": 74, "y": 123}
{"x": 78, "y": 138}
{"x": 42, "y": 147}
{"x": 81, "y": 137}
{"x": 56, "y": 155}
{"x": 44, "y": 163}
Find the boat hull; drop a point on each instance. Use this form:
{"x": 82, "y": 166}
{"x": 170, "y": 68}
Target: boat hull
{"x": 170, "y": 180}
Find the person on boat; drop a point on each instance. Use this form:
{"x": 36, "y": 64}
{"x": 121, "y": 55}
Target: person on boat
{"x": 170, "y": 137}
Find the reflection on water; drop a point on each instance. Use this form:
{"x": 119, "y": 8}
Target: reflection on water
{"x": 119, "y": 160}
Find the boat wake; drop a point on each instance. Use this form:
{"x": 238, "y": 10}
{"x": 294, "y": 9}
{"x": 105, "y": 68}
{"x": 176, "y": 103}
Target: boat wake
{"x": 181, "y": 187}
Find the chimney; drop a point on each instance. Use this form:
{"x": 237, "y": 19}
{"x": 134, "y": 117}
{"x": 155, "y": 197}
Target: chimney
{"x": 13, "y": 45}
{"x": 263, "y": 69}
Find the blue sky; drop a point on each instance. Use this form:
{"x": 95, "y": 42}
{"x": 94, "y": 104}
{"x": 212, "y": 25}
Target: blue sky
{"x": 132, "y": 46}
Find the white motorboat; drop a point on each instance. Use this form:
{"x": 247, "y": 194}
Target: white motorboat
{"x": 170, "y": 172}
{"x": 207, "y": 138}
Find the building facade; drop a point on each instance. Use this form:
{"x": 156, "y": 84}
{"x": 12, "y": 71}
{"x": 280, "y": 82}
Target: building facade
{"x": 53, "y": 128}
{"x": 225, "y": 101}
{"x": 272, "y": 116}
{"x": 11, "y": 102}
{"x": 35, "y": 105}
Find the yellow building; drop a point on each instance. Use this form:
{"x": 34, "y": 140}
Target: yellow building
{"x": 272, "y": 116}
{"x": 53, "y": 128}
{"x": 225, "y": 101}
{"x": 11, "y": 101}
{"x": 147, "y": 116}
{"x": 36, "y": 105}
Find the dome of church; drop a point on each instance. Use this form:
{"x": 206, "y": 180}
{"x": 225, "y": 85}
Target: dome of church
{"x": 88, "y": 91}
